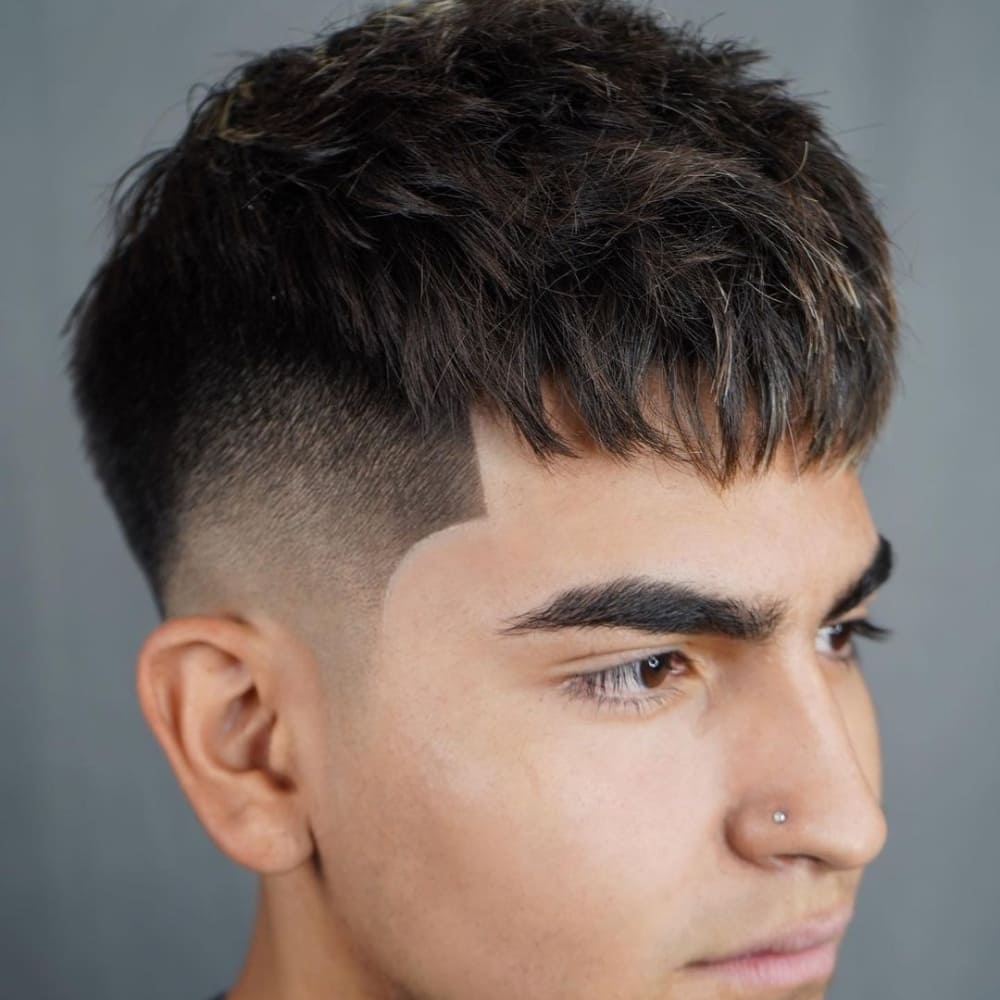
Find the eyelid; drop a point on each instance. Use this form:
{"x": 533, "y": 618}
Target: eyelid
{"x": 860, "y": 610}
{"x": 598, "y": 662}
{"x": 859, "y": 618}
{"x": 618, "y": 656}
{"x": 859, "y": 613}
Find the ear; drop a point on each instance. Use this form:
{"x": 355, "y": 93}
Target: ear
{"x": 209, "y": 689}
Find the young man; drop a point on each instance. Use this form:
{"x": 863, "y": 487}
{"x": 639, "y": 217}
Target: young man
{"x": 482, "y": 390}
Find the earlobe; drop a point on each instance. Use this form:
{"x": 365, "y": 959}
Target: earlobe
{"x": 207, "y": 690}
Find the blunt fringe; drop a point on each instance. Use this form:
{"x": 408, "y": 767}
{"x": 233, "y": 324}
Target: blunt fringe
{"x": 355, "y": 240}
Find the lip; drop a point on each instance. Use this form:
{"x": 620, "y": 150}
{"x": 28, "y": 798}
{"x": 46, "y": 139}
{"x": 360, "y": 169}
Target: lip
{"x": 803, "y": 953}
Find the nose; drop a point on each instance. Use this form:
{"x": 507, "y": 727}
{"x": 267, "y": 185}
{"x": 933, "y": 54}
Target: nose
{"x": 805, "y": 745}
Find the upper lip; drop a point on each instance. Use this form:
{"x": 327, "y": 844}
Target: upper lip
{"x": 817, "y": 929}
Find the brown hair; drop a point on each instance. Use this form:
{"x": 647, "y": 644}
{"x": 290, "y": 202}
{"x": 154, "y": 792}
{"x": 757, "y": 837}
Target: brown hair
{"x": 356, "y": 240}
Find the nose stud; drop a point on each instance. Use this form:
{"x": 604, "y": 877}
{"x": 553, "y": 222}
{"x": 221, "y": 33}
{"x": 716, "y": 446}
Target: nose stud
{"x": 779, "y": 816}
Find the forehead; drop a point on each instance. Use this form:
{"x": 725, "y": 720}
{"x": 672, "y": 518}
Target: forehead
{"x": 577, "y": 520}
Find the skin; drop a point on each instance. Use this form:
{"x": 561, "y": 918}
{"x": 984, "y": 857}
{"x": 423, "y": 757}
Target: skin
{"x": 482, "y": 834}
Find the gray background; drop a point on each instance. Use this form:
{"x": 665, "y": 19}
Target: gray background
{"x": 110, "y": 888}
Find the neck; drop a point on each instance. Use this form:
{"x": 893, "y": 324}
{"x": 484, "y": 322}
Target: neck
{"x": 300, "y": 950}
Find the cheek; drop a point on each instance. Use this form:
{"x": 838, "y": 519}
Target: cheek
{"x": 537, "y": 848}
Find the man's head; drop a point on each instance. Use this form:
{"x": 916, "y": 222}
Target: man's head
{"x": 439, "y": 367}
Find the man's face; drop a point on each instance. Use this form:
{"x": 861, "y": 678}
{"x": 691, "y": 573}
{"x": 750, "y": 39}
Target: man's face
{"x": 489, "y": 830}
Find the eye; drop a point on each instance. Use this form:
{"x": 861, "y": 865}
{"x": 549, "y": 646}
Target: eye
{"x": 837, "y": 641}
{"x": 623, "y": 685}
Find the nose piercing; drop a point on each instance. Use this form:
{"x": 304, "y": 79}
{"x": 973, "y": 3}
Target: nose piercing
{"x": 779, "y": 816}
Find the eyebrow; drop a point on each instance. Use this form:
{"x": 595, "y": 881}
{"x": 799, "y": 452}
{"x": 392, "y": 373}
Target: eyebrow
{"x": 647, "y": 604}
{"x": 878, "y": 571}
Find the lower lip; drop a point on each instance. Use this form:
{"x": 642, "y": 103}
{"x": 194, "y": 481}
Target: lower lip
{"x": 773, "y": 968}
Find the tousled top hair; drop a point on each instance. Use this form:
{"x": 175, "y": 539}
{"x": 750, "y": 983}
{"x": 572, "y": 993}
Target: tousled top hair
{"x": 356, "y": 240}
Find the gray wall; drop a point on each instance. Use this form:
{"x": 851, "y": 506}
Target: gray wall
{"x": 109, "y": 887}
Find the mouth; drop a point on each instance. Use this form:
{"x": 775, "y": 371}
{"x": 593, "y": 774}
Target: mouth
{"x": 803, "y": 954}
{"x": 773, "y": 968}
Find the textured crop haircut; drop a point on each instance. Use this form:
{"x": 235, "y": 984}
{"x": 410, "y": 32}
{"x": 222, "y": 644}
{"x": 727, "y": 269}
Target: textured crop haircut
{"x": 453, "y": 204}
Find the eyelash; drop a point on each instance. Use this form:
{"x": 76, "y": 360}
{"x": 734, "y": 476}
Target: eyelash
{"x": 595, "y": 685}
